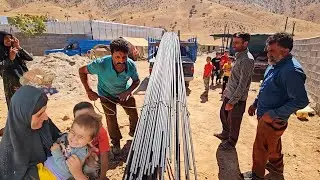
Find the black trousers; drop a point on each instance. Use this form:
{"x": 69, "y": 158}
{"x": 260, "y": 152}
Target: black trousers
{"x": 231, "y": 120}
{"x": 224, "y": 82}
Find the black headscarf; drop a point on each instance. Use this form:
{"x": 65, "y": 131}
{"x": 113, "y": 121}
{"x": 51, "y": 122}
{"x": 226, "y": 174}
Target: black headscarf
{"x": 21, "y": 147}
{"x": 4, "y": 50}
{"x": 17, "y": 67}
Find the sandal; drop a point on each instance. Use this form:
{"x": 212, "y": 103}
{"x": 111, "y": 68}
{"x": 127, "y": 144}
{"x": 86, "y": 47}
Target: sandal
{"x": 220, "y": 136}
{"x": 272, "y": 169}
{"x": 1, "y": 131}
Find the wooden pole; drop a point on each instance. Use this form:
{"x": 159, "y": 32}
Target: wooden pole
{"x": 285, "y": 27}
{"x": 227, "y": 46}
{"x": 293, "y": 28}
{"x": 224, "y": 38}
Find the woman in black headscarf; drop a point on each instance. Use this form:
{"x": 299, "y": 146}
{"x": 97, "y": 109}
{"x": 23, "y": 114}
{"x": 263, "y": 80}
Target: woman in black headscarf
{"x": 12, "y": 64}
{"x": 29, "y": 135}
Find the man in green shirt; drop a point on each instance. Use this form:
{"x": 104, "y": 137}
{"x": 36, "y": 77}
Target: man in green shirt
{"x": 114, "y": 73}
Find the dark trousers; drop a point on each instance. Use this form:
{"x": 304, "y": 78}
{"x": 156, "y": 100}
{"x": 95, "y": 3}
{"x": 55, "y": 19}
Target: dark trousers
{"x": 224, "y": 82}
{"x": 111, "y": 117}
{"x": 217, "y": 74}
{"x": 267, "y": 147}
{"x": 231, "y": 120}
{"x": 10, "y": 84}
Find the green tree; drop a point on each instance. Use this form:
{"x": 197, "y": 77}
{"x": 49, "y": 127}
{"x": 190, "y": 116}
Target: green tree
{"x": 29, "y": 25}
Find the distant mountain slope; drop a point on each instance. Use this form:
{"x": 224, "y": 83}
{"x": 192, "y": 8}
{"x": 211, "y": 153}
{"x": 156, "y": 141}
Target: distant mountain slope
{"x": 199, "y": 17}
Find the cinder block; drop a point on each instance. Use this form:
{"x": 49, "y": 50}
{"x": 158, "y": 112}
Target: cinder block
{"x": 318, "y": 60}
{"x": 314, "y": 54}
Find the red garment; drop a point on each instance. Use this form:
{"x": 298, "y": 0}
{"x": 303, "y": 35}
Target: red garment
{"x": 208, "y": 70}
{"x": 102, "y": 141}
{"x": 224, "y": 60}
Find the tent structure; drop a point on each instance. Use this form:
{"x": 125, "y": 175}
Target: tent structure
{"x": 209, "y": 45}
{"x": 139, "y": 47}
{"x": 4, "y": 20}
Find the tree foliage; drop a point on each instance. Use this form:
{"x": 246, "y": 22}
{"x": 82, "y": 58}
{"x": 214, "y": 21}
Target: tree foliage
{"x": 29, "y": 25}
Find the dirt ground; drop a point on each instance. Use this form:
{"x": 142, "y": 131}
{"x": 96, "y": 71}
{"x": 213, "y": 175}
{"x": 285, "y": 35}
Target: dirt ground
{"x": 301, "y": 141}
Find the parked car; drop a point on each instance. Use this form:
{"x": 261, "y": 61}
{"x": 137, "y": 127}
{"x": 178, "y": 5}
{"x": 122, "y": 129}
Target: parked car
{"x": 188, "y": 50}
{"x": 79, "y": 47}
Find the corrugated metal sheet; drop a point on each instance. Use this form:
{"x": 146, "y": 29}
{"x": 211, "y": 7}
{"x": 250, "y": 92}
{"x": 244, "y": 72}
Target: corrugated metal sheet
{"x": 4, "y": 20}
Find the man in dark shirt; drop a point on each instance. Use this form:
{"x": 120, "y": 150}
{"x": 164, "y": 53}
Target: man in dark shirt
{"x": 281, "y": 94}
{"x": 216, "y": 71}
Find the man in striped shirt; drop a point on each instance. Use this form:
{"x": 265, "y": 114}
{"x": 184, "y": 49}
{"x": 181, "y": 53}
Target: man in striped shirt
{"x": 236, "y": 93}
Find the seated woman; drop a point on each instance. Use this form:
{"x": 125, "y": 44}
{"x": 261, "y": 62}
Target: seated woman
{"x": 28, "y": 138}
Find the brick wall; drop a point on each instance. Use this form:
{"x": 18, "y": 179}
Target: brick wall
{"x": 307, "y": 52}
{"x": 38, "y": 44}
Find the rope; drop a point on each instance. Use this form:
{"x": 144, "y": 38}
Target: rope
{"x": 129, "y": 107}
{"x": 113, "y": 112}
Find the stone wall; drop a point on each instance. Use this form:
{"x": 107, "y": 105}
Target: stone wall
{"x": 38, "y": 44}
{"x": 307, "y": 52}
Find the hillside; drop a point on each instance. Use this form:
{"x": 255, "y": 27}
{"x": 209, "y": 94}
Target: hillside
{"x": 199, "y": 17}
{"x": 192, "y": 16}
{"x": 302, "y": 9}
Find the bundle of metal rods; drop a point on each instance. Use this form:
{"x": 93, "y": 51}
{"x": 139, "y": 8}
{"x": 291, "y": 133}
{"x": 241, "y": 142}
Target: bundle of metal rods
{"x": 163, "y": 140}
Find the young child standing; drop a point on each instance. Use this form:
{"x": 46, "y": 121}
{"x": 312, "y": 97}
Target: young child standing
{"x": 207, "y": 75}
{"x": 98, "y": 161}
{"x": 84, "y": 128}
{"x": 226, "y": 74}
{"x": 216, "y": 70}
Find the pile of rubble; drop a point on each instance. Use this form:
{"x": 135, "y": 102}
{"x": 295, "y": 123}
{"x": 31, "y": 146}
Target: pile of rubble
{"x": 63, "y": 70}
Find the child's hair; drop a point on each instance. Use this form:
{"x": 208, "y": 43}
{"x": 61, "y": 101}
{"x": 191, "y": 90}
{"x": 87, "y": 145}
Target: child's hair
{"x": 208, "y": 57}
{"x": 89, "y": 122}
{"x": 82, "y": 105}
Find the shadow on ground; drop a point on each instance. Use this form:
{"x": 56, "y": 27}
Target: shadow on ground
{"x": 142, "y": 87}
{"x": 118, "y": 160}
{"x": 204, "y": 97}
{"x": 188, "y": 91}
{"x": 228, "y": 164}
{"x": 216, "y": 86}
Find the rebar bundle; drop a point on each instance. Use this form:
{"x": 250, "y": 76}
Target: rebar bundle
{"x": 162, "y": 145}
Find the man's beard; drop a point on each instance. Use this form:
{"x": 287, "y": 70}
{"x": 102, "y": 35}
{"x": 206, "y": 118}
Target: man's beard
{"x": 121, "y": 66}
{"x": 240, "y": 49}
{"x": 271, "y": 61}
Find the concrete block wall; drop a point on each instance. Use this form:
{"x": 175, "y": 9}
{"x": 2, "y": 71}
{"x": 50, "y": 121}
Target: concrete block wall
{"x": 307, "y": 52}
{"x": 38, "y": 44}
